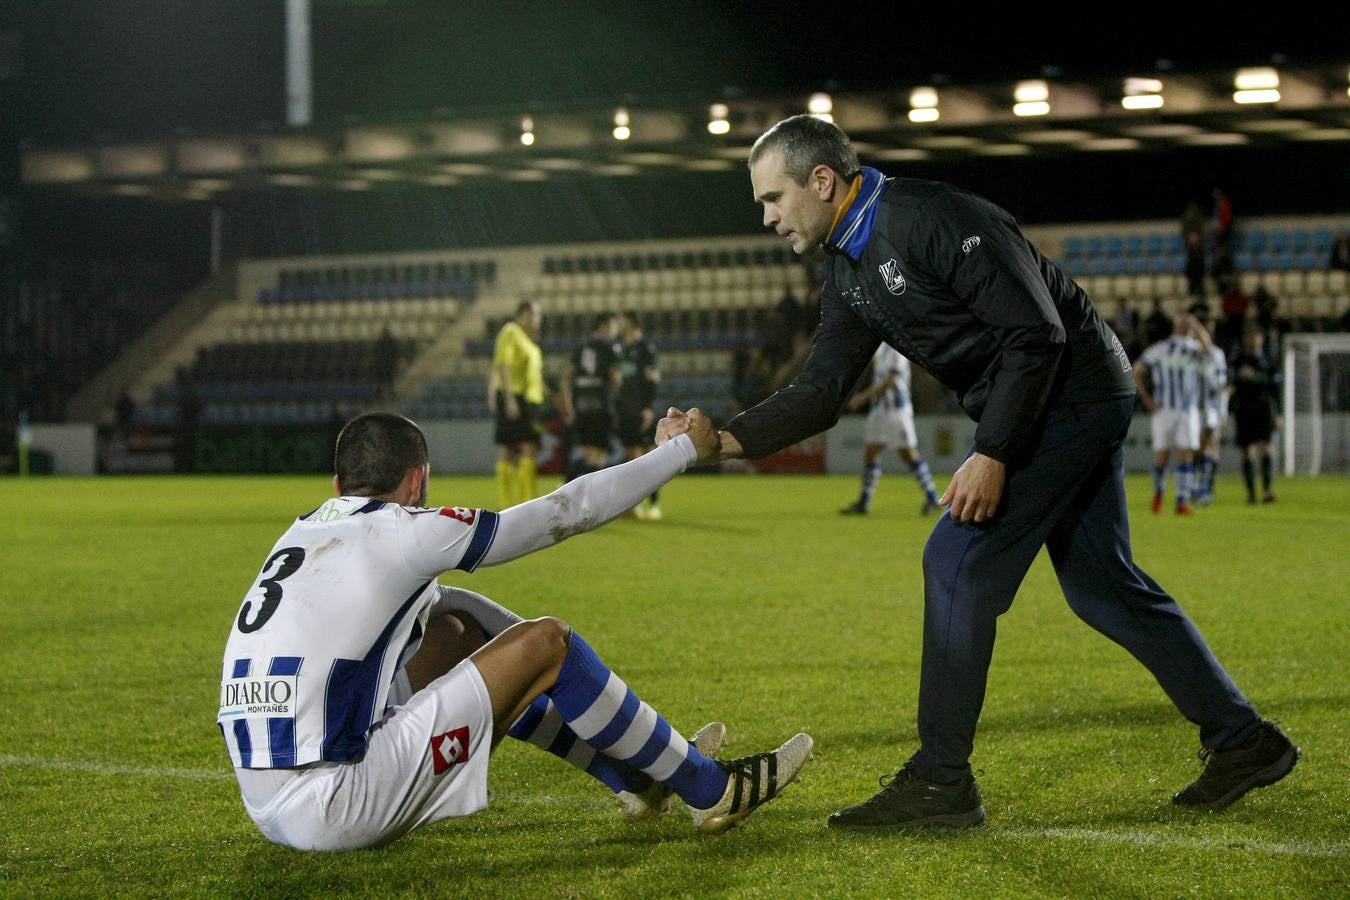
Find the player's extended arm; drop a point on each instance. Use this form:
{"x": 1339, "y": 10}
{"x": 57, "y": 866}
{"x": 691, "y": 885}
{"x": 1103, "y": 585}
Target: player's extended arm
{"x": 590, "y": 501}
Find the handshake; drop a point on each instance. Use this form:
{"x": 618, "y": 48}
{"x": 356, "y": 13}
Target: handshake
{"x": 708, "y": 441}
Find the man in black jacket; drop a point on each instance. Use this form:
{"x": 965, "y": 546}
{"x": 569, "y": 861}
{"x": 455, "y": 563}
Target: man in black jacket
{"x": 947, "y": 279}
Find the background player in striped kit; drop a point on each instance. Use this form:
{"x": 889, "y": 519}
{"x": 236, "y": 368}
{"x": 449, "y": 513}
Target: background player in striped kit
{"x": 1175, "y": 367}
{"x": 1215, "y": 417}
{"x": 326, "y": 645}
{"x": 890, "y": 423}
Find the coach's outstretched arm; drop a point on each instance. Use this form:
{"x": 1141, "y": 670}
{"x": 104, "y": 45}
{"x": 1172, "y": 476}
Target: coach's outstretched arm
{"x": 592, "y": 500}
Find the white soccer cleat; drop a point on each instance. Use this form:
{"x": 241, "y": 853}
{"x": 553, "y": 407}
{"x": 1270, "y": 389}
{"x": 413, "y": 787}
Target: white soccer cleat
{"x": 655, "y": 799}
{"x": 753, "y": 781}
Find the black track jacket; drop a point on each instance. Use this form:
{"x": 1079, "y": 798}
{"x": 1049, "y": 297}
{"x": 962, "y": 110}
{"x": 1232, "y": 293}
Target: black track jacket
{"x": 948, "y": 279}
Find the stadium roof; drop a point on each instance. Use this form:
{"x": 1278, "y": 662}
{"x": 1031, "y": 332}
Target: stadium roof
{"x": 184, "y": 101}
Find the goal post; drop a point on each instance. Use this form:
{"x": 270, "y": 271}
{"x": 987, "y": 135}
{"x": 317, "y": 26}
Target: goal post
{"x": 1316, "y": 431}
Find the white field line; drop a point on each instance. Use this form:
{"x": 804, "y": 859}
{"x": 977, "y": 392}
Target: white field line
{"x": 1123, "y": 837}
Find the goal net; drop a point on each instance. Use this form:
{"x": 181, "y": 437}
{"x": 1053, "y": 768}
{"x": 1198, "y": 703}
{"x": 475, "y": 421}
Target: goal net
{"x": 1316, "y": 404}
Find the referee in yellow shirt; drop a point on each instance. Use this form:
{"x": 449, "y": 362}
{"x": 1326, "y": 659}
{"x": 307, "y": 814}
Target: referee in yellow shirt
{"x": 516, "y": 391}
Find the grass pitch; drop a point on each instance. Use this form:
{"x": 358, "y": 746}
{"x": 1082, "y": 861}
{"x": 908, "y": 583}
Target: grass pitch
{"x": 753, "y": 602}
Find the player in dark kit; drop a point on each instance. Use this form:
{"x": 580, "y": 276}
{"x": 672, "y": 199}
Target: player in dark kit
{"x": 949, "y": 280}
{"x": 1255, "y": 381}
{"x": 588, "y": 391}
{"x": 637, "y": 400}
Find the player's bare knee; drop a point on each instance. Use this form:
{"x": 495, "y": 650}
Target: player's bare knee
{"x": 552, "y": 635}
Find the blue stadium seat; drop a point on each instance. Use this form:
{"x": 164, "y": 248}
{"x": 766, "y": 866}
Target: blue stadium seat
{"x": 1115, "y": 245}
{"x": 1256, "y": 241}
{"x": 1175, "y": 245}
{"x": 1279, "y": 241}
{"x": 1322, "y": 240}
{"x": 1155, "y": 245}
{"x": 1094, "y": 246}
{"x": 1310, "y": 260}
{"x": 1134, "y": 245}
{"x": 1301, "y": 241}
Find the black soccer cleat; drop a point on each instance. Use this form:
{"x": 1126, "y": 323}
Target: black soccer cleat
{"x": 908, "y": 801}
{"x": 1229, "y": 774}
{"x": 853, "y": 509}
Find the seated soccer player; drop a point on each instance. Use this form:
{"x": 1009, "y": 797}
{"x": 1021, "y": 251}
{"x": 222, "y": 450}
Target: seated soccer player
{"x": 343, "y": 735}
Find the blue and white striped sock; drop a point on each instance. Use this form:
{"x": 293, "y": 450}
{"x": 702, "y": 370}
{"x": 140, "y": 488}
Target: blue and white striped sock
{"x": 1159, "y": 480}
{"x": 870, "y": 476}
{"x": 542, "y": 725}
{"x": 925, "y": 478}
{"x": 606, "y": 714}
{"x": 1184, "y": 473}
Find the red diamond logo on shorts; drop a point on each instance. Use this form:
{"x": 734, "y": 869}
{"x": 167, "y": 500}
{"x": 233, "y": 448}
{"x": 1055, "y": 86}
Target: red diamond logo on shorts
{"x": 449, "y": 749}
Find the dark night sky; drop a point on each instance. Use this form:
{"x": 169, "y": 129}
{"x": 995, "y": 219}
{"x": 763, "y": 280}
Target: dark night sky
{"x": 124, "y": 68}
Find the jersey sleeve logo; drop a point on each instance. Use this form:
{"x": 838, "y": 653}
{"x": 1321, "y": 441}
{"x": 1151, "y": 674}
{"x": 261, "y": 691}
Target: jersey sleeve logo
{"x": 460, "y": 514}
{"x": 449, "y": 750}
{"x": 890, "y": 273}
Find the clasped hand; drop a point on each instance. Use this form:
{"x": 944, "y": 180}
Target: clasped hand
{"x": 695, "y": 424}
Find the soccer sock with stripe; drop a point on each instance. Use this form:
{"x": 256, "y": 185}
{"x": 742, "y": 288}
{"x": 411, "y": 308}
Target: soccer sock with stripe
{"x": 1159, "y": 480}
{"x": 542, "y": 725}
{"x": 606, "y": 714}
{"x": 925, "y": 478}
{"x": 871, "y": 474}
{"x": 1184, "y": 474}
{"x": 506, "y": 483}
{"x": 526, "y": 478}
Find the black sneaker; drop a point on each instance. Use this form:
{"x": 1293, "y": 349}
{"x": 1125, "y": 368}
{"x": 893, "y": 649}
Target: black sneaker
{"x": 853, "y": 509}
{"x": 928, "y": 507}
{"x": 907, "y": 801}
{"x": 1229, "y": 774}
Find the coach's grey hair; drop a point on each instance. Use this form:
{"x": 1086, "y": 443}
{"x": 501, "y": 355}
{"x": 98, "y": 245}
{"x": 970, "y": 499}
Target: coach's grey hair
{"x": 808, "y": 142}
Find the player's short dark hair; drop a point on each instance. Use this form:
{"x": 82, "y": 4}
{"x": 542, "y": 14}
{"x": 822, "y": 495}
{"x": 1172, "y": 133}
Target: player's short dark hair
{"x": 808, "y": 142}
{"x": 525, "y": 305}
{"x": 375, "y": 450}
{"x": 603, "y": 318}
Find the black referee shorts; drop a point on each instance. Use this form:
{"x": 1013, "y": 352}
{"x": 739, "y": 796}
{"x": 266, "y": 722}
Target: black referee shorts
{"x": 521, "y": 430}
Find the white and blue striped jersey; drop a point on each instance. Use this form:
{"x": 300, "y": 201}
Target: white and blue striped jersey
{"x": 1177, "y": 367}
{"x": 340, "y": 605}
{"x": 888, "y": 361}
{"x": 1216, "y": 381}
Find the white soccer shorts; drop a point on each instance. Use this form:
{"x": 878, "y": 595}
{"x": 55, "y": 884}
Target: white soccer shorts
{"x": 890, "y": 428}
{"x": 426, "y": 761}
{"x": 1176, "y": 429}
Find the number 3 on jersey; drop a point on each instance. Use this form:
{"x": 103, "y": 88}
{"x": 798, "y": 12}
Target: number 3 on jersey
{"x": 291, "y": 560}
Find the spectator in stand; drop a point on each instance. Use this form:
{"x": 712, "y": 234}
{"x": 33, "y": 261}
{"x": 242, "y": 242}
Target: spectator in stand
{"x": 1193, "y": 239}
{"x": 1158, "y": 325}
{"x": 185, "y": 429}
{"x": 1340, "y": 253}
{"x": 1125, "y": 323}
{"x": 1234, "y": 304}
{"x": 126, "y": 415}
{"x": 1221, "y": 264}
{"x": 1267, "y": 312}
